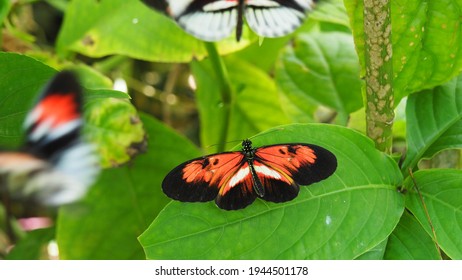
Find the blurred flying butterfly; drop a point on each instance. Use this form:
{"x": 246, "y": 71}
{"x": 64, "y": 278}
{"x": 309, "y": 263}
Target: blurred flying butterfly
{"x": 235, "y": 179}
{"x": 213, "y": 20}
{"x": 55, "y": 165}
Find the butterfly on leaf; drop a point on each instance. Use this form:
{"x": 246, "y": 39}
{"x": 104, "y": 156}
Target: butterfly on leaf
{"x": 235, "y": 179}
{"x": 213, "y": 20}
{"x": 55, "y": 165}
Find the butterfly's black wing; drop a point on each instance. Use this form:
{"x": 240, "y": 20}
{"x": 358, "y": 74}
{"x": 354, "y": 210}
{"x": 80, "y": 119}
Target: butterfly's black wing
{"x": 283, "y": 167}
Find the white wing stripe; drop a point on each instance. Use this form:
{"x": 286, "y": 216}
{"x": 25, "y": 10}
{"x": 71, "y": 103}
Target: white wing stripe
{"x": 267, "y": 171}
{"x": 240, "y": 175}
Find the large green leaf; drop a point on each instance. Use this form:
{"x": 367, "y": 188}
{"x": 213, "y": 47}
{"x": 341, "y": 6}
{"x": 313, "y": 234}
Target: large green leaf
{"x": 441, "y": 190}
{"x": 21, "y": 79}
{"x": 123, "y": 202}
{"x": 320, "y": 69}
{"x": 255, "y": 106}
{"x": 99, "y": 28}
{"x": 409, "y": 241}
{"x": 420, "y": 29}
{"x": 434, "y": 122}
{"x": 342, "y": 217}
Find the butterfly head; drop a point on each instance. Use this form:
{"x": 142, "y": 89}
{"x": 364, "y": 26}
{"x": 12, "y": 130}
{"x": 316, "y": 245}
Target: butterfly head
{"x": 247, "y": 148}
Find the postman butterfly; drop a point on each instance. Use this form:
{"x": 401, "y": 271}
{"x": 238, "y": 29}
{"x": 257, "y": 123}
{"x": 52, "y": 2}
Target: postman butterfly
{"x": 55, "y": 165}
{"x": 213, "y": 20}
{"x": 235, "y": 179}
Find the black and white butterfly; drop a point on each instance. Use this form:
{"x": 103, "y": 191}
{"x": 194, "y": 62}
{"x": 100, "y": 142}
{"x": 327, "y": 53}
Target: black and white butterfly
{"x": 55, "y": 165}
{"x": 213, "y": 20}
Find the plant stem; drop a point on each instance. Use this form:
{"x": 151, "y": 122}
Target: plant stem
{"x": 110, "y": 63}
{"x": 225, "y": 91}
{"x": 379, "y": 73}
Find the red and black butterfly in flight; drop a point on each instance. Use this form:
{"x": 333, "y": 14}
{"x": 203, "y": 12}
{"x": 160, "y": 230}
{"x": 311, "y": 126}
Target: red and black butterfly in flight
{"x": 235, "y": 179}
{"x": 55, "y": 165}
{"x": 213, "y": 20}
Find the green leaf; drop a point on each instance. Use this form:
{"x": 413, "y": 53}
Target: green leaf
{"x": 342, "y": 217}
{"x": 31, "y": 247}
{"x": 100, "y": 28}
{"x": 409, "y": 241}
{"x": 255, "y": 106}
{"x": 419, "y": 28}
{"x": 320, "y": 69}
{"x": 21, "y": 80}
{"x": 123, "y": 202}
{"x": 434, "y": 122}
{"x": 441, "y": 190}
{"x": 115, "y": 124}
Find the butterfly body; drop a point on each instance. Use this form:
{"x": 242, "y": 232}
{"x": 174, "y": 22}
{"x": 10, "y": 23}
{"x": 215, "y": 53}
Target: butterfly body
{"x": 55, "y": 165}
{"x": 235, "y": 179}
{"x": 213, "y": 20}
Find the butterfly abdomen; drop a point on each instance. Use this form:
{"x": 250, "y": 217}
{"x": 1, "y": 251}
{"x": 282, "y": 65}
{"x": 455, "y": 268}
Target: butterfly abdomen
{"x": 257, "y": 185}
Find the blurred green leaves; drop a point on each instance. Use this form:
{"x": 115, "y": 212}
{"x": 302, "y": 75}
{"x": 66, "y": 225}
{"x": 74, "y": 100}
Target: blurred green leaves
{"x": 99, "y": 28}
{"x": 255, "y": 105}
{"x": 320, "y": 69}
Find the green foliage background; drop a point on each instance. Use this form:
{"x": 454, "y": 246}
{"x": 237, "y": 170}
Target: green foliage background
{"x": 305, "y": 87}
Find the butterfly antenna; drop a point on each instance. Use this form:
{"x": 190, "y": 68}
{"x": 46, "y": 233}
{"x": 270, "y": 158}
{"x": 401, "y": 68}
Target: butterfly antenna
{"x": 435, "y": 240}
{"x": 267, "y": 132}
{"x": 227, "y": 142}
{"x": 238, "y": 141}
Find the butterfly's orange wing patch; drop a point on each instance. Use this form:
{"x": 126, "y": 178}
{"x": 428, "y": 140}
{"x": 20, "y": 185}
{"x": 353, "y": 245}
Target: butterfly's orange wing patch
{"x": 305, "y": 164}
